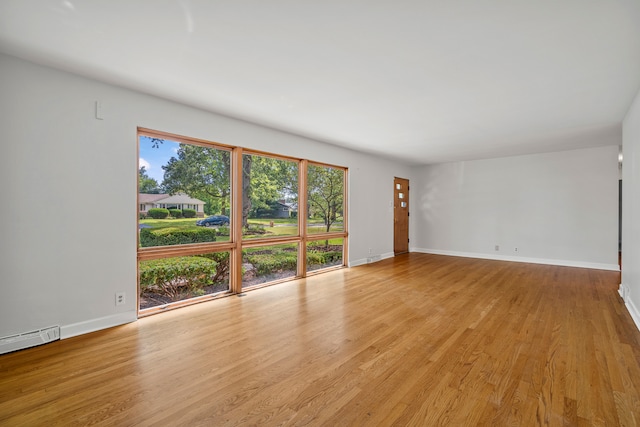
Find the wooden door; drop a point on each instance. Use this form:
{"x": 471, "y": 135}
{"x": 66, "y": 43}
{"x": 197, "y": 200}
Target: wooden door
{"x": 400, "y": 215}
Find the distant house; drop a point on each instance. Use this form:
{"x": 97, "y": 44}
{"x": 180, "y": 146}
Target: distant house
{"x": 281, "y": 209}
{"x": 169, "y": 201}
{"x": 276, "y": 209}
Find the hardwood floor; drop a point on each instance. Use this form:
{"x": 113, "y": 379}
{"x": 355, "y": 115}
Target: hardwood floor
{"x": 414, "y": 340}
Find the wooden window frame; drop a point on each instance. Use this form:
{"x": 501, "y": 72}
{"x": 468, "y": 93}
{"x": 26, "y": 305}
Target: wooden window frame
{"x": 236, "y": 243}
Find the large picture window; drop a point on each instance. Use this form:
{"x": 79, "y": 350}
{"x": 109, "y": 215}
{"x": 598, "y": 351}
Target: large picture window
{"x": 215, "y": 220}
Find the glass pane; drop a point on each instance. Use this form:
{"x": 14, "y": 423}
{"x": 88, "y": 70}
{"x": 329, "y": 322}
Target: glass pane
{"x": 324, "y": 253}
{"x": 184, "y": 193}
{"x": 403, "y": 204}
{"x": 400, "y": 195}
{"x": 270, "y": 197}
{"x": 398, "y": 187}
{"x": 168, "y": 280}
{"x": 269, "y": 263}
{"x": 325, "y": 199}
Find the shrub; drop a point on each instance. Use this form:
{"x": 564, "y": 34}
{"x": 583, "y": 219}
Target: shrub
{"x": 315, "y": 258}
{"x": 322, "y": 253}
{"x": 175, "y": 236}
{"x": 323, "y": 257}
{"x": 158, "y": 213}
{"x": 273, "y": 263}
{"x": 142, "y": 216}
{"x": 223, "y": 231}
{"x": 176, "y": 213}
{"x": 189, "y": 213}
{"x": 222, "y": 261}
{"x": 175, "y": 277}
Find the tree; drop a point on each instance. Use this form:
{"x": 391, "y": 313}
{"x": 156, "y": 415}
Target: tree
{"x": 326, "y": 193}
{"x": 200, "y": 172}
{"x": 204, "y": 173}
{"x": 146, "y": 184}
{"x": 267, "y": 180}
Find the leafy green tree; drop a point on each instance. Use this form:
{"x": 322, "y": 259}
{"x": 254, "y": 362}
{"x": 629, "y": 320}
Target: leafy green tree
{"x": 200, "y": 172}
{"x": 146, "y": 184}
{"x": 268, "y": 180}
{"x": 326, "y": 193}
{"x": 204, "y": 173}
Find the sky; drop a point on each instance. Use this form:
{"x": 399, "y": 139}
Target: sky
{"x": 154, "y": 158}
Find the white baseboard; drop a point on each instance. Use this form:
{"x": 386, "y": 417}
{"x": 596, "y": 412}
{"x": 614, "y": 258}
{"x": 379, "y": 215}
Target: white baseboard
{"x": 623, "y": 290}
{"x": 371, "y": 259}
{"x": 387, "y": 255}
{"x": 357, "y": 262}
{"x": 564, "y": 263}
{"x": 633, "y": 311}
{"x": 68, "y": 331}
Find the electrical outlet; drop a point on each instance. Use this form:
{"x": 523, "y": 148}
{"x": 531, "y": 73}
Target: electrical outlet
{"x": 497, "y": 247}
{"x": 120, "y": 298}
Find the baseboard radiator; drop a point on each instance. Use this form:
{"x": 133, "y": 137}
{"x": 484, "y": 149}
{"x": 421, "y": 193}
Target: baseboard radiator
{"x": 29, "y": 339}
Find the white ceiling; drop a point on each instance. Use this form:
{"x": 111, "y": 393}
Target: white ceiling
{"x": 424, "y": 81}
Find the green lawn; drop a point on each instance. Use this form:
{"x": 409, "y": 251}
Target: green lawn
{"x": 170, "y": 222}
{"x": 312, "y": 244}
{"x": 267, "y": 221}
{"x": 277, "y": 230}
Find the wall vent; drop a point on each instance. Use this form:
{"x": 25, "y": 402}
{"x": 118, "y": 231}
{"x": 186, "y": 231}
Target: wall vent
{"x": 29, "y": 339}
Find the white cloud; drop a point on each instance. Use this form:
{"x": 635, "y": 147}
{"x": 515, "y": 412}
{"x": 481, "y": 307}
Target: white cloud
{"x": 142, "y": 162}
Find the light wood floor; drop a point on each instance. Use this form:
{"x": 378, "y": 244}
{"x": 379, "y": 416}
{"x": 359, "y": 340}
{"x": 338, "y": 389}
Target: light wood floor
{"x": 415, "y": 340}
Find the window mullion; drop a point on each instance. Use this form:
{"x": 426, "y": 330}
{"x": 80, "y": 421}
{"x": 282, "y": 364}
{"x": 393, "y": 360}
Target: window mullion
{"x": 345, "y": 218}
{"x": 235, "y": 270}
{"x": 302, "y": 218}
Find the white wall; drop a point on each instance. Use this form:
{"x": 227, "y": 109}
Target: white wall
{"x": 630, "y": 287}
{"x": 555, "y": 208}
{"x": 69, "y": 208}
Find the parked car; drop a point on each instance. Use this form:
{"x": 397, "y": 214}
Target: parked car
{"x": 213, "y": 221}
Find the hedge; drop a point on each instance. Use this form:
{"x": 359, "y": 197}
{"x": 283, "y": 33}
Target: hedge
{"x": 175, "y": 276}
{"x": 223, "y": 231}
{"x": 158, "y": 213}
{"x": 222, "y": 261}
{"x": 272, "y": 263}
{"x": 175, "y": 236}
{"x": 175, "y": 213}
{"x": 189, "y": 213}
{"x": 323, "y": 257}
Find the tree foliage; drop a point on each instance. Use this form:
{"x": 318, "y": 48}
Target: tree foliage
{"x": 267, "y": 180}
{"x": 146, "y": 184}
{"x": 204, "y": 173}
{"x": 326, "y": 193}
{"x": 200, "y": 172}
